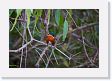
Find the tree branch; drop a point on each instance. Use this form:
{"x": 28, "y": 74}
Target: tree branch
{"x": 86, "y": 54}
{"x": 85, "y": 26}
{"x": 41, "y": 55}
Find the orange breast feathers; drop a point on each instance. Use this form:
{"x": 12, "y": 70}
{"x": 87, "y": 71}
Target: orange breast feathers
{"x": 50, "y": 38}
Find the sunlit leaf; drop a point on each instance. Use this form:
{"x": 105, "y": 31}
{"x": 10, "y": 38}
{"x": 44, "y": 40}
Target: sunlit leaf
{"x": 57, "y": 16}
{"x": 37, "y": 15}
{"x": 28, "y": 13}
{"x": 18, "y": 13}
{"x": 32, "y": 11}
{"x": 65, "y": 29}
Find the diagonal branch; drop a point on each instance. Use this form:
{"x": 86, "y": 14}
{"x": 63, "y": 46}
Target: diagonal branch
{"x": 19, "y": 49}
{"x": 85, "y": 26}
{"x": 37, "y": 64}
{"x": 72, "y": 18}
{"x": 62, "y": 53}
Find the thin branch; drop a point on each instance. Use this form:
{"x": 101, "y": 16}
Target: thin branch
{"x": 40, "y": 56}
{"x": 95, "y": 56}
{"x": 37, "y": 64}
{"x": 87, "y": 42}
{"x": 62, "y": 53}
{"x": 18, "y": 19}
{"x": 27, "y": 44}
{"x": 24, "y": 46}
{"x": 26, "y": 53}
{"x": 31, "y": 37}
{"x": 19, "y": 49}
{"x": 54, "y": 56}
{"x": 72, "y": 18}
{"x": 49, "y": 59}
{"x": 39, "y": 41}
{"x": 85, "y": 26}
{"x": 24, "y": 34}
{"x": 85, "y": 49}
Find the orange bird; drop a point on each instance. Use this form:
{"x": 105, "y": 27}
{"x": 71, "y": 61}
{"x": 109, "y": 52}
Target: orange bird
{"x": 50, "y": 38}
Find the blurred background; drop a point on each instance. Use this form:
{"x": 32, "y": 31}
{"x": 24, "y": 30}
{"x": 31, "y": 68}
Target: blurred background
{"x": 73, "y": 41}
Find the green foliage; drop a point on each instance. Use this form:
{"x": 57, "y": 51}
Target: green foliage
{"x": 18, "y": 13}
{"x": 37, "y": 14}
{"x": 65, "y": 29}
{"x": 28, "y": 13}
{"x": 57, "y": 16}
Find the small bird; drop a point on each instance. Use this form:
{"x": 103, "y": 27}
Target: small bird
{"x": 50, "y": 38}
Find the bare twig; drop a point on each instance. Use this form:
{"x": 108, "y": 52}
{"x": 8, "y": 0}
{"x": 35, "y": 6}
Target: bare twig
{"x": 24, "y": 34}
{"x": 49, "y": 59}
{"x": 86, "y": 54}
{"x": 37, "y": 64}
{"x": 85, "y": 26}
{"x": 40, "y": 56}
{"x": 31, "y": 37}
{"x": 62, "y": 53}
{"x": 72, "y": 18}
{"x": 24, "y": 46}
{"x": 39, "y": 41}
{"x": 87, "y": 42}
{"x": 26, "y": 53}
{"x": 54, "y": 56}
{"x": 95, "y": 56}
{"x": 18, "y": 19}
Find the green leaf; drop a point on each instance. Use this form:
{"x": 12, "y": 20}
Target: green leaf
{"x": 18, "y": 13}
{"x": 61, "y": 20}
{"x": 65, "y": 29}
{"x": 32, "y": 11}
{"x": 38, "y": 13}
{"x": 28, "y": 13}
{"x": 57, "y": 16}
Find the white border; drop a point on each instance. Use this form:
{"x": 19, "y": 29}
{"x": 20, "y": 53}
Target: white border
{"x": 102, "y": 71}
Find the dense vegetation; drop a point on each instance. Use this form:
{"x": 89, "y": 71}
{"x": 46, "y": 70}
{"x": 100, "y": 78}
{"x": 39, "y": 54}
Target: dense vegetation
{"x": 75, "y": 32}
